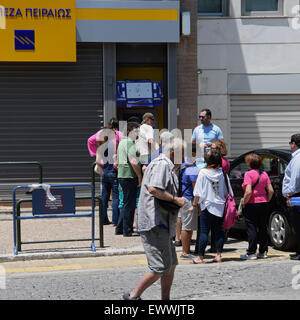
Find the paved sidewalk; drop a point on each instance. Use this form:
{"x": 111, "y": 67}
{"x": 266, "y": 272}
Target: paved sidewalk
{"x": 61, "y": 229}
{"x": 80, "y": 228}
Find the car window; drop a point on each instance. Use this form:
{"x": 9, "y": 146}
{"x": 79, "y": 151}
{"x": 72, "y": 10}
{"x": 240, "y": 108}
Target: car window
{"x": 269, "y": 165}
{"x": 238, "y": 171}
{"x": 282, "y": 167}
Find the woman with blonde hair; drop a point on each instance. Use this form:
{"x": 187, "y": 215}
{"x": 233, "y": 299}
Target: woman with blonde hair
{"x": 220, "y": 147}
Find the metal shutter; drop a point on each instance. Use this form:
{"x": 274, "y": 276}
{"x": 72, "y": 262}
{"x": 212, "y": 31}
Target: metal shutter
{"x": 263, "y": 121}
{"x": 47, "y": 113}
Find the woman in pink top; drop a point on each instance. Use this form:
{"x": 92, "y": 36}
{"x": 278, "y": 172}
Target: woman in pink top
{"x": 258, "y": 191}
{"x": 94, "y": 140}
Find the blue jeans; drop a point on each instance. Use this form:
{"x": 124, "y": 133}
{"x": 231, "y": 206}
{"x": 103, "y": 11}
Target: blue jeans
{"x": 209, "y": 221}
{"x": 126, "y": 217}
{"x": 110, "y": 183}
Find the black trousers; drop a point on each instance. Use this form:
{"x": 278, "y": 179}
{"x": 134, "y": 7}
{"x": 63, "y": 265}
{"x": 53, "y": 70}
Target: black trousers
{"x": 296, "y": 225}
{"x": 256, "y": 218}
{"x": 296, "y": 222}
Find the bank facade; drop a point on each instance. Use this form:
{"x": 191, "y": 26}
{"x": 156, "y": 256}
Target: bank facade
{"x": 62, "y": 64}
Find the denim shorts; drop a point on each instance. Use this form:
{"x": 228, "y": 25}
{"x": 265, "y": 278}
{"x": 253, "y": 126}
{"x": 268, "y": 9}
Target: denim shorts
{"x": 159, "y": 249}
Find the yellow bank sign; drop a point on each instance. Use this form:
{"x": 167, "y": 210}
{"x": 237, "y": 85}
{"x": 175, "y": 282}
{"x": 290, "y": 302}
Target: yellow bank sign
{"x": 34, "y": 30}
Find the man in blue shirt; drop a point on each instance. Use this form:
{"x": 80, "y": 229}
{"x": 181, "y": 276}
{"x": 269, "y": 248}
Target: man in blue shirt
{"x": 207, "y": 133}
{"x": 291, "y": 186}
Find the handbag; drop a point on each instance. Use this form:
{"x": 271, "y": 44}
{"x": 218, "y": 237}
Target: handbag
{"x": 230, "y": 213}
{"x": 169, "y": 205}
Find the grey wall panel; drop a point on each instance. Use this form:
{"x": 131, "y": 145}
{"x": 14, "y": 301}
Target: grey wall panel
{"x": 47, "y": 112}
{"x": 127, "y": 31}
{"x": 264, "y": 83}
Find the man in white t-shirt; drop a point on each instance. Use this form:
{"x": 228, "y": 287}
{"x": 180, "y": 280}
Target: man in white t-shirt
{"x": 146, "y": 144}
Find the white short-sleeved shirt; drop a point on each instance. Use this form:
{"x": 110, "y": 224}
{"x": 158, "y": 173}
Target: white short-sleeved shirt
{"x": 146, "y": 133}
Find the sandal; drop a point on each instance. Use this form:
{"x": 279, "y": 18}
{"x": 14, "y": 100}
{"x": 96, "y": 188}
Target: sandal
{"x": 217, "y": 259}
{"x": 195, "y": 262}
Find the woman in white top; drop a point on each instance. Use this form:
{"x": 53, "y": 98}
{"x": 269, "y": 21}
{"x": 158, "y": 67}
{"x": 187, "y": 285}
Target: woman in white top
{"x": 210, "y": 194}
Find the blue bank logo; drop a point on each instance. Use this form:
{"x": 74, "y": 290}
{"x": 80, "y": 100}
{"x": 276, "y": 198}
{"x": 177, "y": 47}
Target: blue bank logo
{"x": 24, "y": 40}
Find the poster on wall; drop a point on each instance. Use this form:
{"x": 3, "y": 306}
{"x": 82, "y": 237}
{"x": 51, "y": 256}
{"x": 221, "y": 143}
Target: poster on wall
{"x": 136, "y": 93}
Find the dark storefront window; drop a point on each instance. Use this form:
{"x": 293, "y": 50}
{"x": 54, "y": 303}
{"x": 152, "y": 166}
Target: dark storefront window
{"x": 212, "y": 7}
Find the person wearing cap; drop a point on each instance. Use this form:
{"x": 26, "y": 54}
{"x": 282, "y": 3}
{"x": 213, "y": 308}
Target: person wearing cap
{"x": 146, "y": 144}
{"x": 291, "y": 187}
{"x": 206, "y": 133}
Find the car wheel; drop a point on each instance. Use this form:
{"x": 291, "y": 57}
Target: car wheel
{"x": 280, "y": 231}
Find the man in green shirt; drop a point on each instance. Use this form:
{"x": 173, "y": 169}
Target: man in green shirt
{"x": 129, "y": 177}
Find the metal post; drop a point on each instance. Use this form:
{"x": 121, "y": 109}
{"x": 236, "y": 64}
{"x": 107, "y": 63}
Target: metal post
{"x": 101, "y": 233}
{"x": 93, "y": 182}
{"x": 19, "y": 226}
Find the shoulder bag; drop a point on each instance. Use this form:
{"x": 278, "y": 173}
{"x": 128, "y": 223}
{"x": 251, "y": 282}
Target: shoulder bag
{"x": 230, "y": 213}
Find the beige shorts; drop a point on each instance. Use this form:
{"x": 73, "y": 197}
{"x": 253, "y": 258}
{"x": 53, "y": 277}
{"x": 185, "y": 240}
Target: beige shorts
{"x": 189, "y": 221}
{"x": 159, "y": 249}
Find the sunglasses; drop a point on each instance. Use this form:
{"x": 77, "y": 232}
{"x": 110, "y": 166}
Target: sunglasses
{"x": 202, "y": 117}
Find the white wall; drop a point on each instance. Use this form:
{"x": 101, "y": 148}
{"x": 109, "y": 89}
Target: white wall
{"x": 250, "y": 48}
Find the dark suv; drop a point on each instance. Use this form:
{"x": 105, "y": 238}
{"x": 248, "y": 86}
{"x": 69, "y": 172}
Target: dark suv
{"x": 281, "y": 232}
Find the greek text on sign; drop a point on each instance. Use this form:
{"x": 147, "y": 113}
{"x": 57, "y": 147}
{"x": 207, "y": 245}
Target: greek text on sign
{"x": 38, "y": 31}
{"x": 36, "y": 12}
{"x": 56, "y": 205}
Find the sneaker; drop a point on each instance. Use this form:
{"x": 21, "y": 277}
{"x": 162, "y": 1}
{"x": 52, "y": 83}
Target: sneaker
{"x": 189, "y": 256}
{"x": 126, "y": 296}
{"x": 248, "y": 256}
{"x": 262, "y": 255}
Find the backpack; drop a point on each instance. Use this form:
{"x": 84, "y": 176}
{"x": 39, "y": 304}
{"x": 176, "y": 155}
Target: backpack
{"x": 230, "y": 212}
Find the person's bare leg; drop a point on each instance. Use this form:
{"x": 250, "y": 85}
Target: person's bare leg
{"x": 166, "y": 284}
{"x": 148, "y": 279}
{"x": 186, "y": 237}
{"x": 178, "y": 230}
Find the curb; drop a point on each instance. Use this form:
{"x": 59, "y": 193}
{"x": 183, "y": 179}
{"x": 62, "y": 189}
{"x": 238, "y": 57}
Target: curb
{"x": 72, "y": 254}
{"x": 67, "y": 255}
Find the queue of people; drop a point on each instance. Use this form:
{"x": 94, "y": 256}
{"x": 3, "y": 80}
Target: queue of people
{"x": 165, "y": 194}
